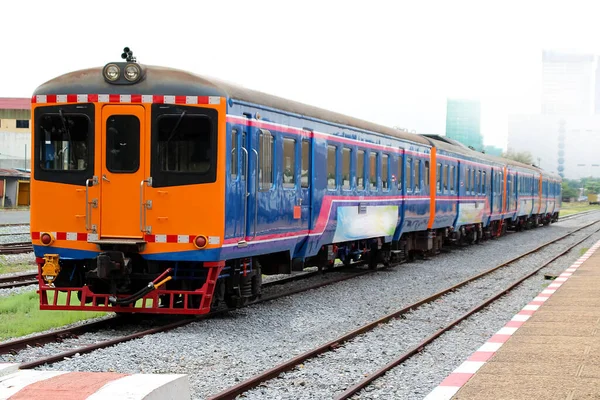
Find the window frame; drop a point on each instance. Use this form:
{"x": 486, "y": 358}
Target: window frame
{"x": 350, "y": 162}
{"x": 72, "y": 177}
{"x": 386, "y": 157}
{"x": 284, "y": 185}
{"x": 162, "y": 178}
{"x": 336, "y": 147}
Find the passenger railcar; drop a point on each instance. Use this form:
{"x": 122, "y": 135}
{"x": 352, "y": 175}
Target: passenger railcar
{"x": 159, "y": 191}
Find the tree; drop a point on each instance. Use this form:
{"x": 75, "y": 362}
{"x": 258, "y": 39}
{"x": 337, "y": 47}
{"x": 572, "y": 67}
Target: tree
{"x": 524, "y": 157}
{"x": 568, "y": 190}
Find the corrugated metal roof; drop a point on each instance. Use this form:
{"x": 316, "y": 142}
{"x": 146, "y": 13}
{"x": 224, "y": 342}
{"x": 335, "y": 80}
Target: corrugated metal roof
{"x": 4, "y": 172}
{"x": 15, "y": 103}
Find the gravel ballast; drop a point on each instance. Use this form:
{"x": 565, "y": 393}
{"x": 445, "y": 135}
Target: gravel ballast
{"x": 218, "y": 353}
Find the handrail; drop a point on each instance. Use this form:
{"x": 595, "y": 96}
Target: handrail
{"x": 88, "y": 212}
{"x": 255, "y": 194}
{"x": 247, "y": 193}
{"x": 143, "y": 205}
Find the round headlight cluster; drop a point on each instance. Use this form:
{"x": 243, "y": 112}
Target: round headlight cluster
{"x": 111, "y": 72}
{"x": 132, "y": 72}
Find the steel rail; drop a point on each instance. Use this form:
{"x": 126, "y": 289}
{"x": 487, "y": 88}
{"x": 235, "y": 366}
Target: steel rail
{"x": 419, "y": 347}
{"x": 255, "y": 381}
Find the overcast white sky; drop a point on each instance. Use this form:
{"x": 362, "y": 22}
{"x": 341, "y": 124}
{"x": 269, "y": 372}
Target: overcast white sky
{"x": 391, "y": 62}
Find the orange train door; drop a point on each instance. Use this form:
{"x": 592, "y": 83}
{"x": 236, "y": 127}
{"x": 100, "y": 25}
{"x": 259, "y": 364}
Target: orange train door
{"x": 123, "y": 168}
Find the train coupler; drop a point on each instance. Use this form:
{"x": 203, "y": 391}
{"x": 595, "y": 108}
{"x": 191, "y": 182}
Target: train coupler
{"x": 51, "y": 268}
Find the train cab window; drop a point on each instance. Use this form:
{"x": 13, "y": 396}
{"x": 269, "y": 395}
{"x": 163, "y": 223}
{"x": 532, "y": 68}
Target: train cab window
{"x": 452, "y": 173}
{"x": 360, "y": 170}
{"x": 289, "y": 163}
{"x": 266, "y": 145}
{"x": 417, "y": 168}
{"x": 346, "y": 157}
{"x": 408, "y": 175}
{"x": 63, "y": 142}
{"x": 331, "y": 167}
{"x": 234, "y": 153}
{"x": 373, "y": 171}
{"x": 440, "y": 174}
{"x": 304, "y": 173}
{"x": 184, "y": 143}
{"x": 122, "y": 143}
{"x": 385, "y": 171}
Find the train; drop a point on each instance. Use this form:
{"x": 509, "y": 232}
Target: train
{"x": 156, "y": 190}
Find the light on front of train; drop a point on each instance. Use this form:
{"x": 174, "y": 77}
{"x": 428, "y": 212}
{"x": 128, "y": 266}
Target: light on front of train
{"x": 132, "y": 72}
{"x": 200, "y": 241}
{"x": 112, "y": 72}
{"x": 46, "y": 238}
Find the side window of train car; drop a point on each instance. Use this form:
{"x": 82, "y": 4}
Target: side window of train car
{"x": 385, "y": 172}
{"x": 360, "y": 170}
{"x": 305, "y": 171}
{"x": 452, "y": 173}
{"x": 373, "y": 170}
{"x": 289, "y": 163}
{"x": 483, "y": 182}
{"x": 426, "y": 173}
{"x": 479, "y": 182}
{"x": 266, "y": 145}
{"x": 399, "y": 174}
{"x": 234, "y": 154}
{"x": 331, "y": 167}
{"x": 467, "y": 180}
{"x": 440, "y": 174}
{"x": 408, "y": 175}
{"x": 445, "y": 179}
{"x": 346, "y": 178}
{"x": 417, "y": 180}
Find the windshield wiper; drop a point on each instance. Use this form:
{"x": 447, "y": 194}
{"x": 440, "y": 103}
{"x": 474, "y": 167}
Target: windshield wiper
{"x": 175, "y": 127}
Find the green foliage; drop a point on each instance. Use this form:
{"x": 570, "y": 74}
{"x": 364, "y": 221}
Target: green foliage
{"x": 568, "y": 191}
{"x": 20, "y": 315}
{"x": 524, "y": 157}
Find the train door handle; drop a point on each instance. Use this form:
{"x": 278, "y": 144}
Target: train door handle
{"x": 104, "y": 178}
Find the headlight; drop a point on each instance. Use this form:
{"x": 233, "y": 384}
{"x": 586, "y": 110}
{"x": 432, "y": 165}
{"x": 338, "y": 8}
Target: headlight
{"x": 111, "y": 72}
{"x": 132, "y": 72}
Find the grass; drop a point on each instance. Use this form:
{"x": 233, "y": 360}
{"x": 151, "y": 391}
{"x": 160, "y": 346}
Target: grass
{"x": 6, "y": 268}
{"x": 20, "y": 315}
{"x": 583, "y": 250}
{"x": 574, "y": 208}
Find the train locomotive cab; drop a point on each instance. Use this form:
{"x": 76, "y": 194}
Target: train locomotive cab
{"x": 128, "y": 190}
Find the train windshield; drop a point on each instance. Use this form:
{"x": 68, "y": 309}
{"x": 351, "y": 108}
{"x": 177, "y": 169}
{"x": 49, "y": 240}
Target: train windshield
{"x": 184, "y": 145}
{"x": 64, "y": 140}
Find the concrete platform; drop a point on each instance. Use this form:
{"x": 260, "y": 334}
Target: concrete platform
{"x": 33, "y": 385}
{"x": 549, "y": 350}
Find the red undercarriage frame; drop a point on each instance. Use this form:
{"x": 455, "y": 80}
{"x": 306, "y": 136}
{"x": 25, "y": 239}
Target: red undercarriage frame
{"x": 194, "y": 302}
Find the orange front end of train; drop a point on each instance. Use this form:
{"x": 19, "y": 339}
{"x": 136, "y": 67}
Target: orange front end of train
{"x": 127, "y": 191}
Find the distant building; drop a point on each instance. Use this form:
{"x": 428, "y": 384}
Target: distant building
{"x": 15, "y": 132}
{"x": 564, "y": 145}
{"x": 463, "y": 122}
{"x": 567, "y": 83}
{"x": 14, "y": 188}
{"x": 493, "y": 150}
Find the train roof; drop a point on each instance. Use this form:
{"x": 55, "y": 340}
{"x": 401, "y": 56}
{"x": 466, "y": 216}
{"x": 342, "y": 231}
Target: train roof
{"x": 170, "y": 81}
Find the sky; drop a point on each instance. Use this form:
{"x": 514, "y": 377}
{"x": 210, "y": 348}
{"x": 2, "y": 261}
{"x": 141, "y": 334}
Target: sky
{"x": 389, "y": 62}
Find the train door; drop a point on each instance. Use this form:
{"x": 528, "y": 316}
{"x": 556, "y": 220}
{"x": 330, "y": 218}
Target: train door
{"x": 122, "y": 170}
{"x": 305, "y": 195}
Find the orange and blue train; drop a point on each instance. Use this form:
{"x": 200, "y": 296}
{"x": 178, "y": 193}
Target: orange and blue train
{"x": 155, "y": 190}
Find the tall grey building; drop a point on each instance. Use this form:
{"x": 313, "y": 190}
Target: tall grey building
{"x": 567, "y": 83}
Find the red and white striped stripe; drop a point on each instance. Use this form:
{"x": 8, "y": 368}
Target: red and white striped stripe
{"x": 123, "y": 98}
{"x": 86, "y": 237}
{"x": 459, "y": 377}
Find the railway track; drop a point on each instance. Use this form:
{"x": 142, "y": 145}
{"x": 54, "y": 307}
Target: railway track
{"x": 14, "y": 346}
{"x": 16, "y": 248}
{"x": 257, "y": 380}
{"x": 8, "y": 282}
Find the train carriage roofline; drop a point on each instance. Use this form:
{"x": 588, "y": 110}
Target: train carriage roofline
{"x": 158, "y": 80}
